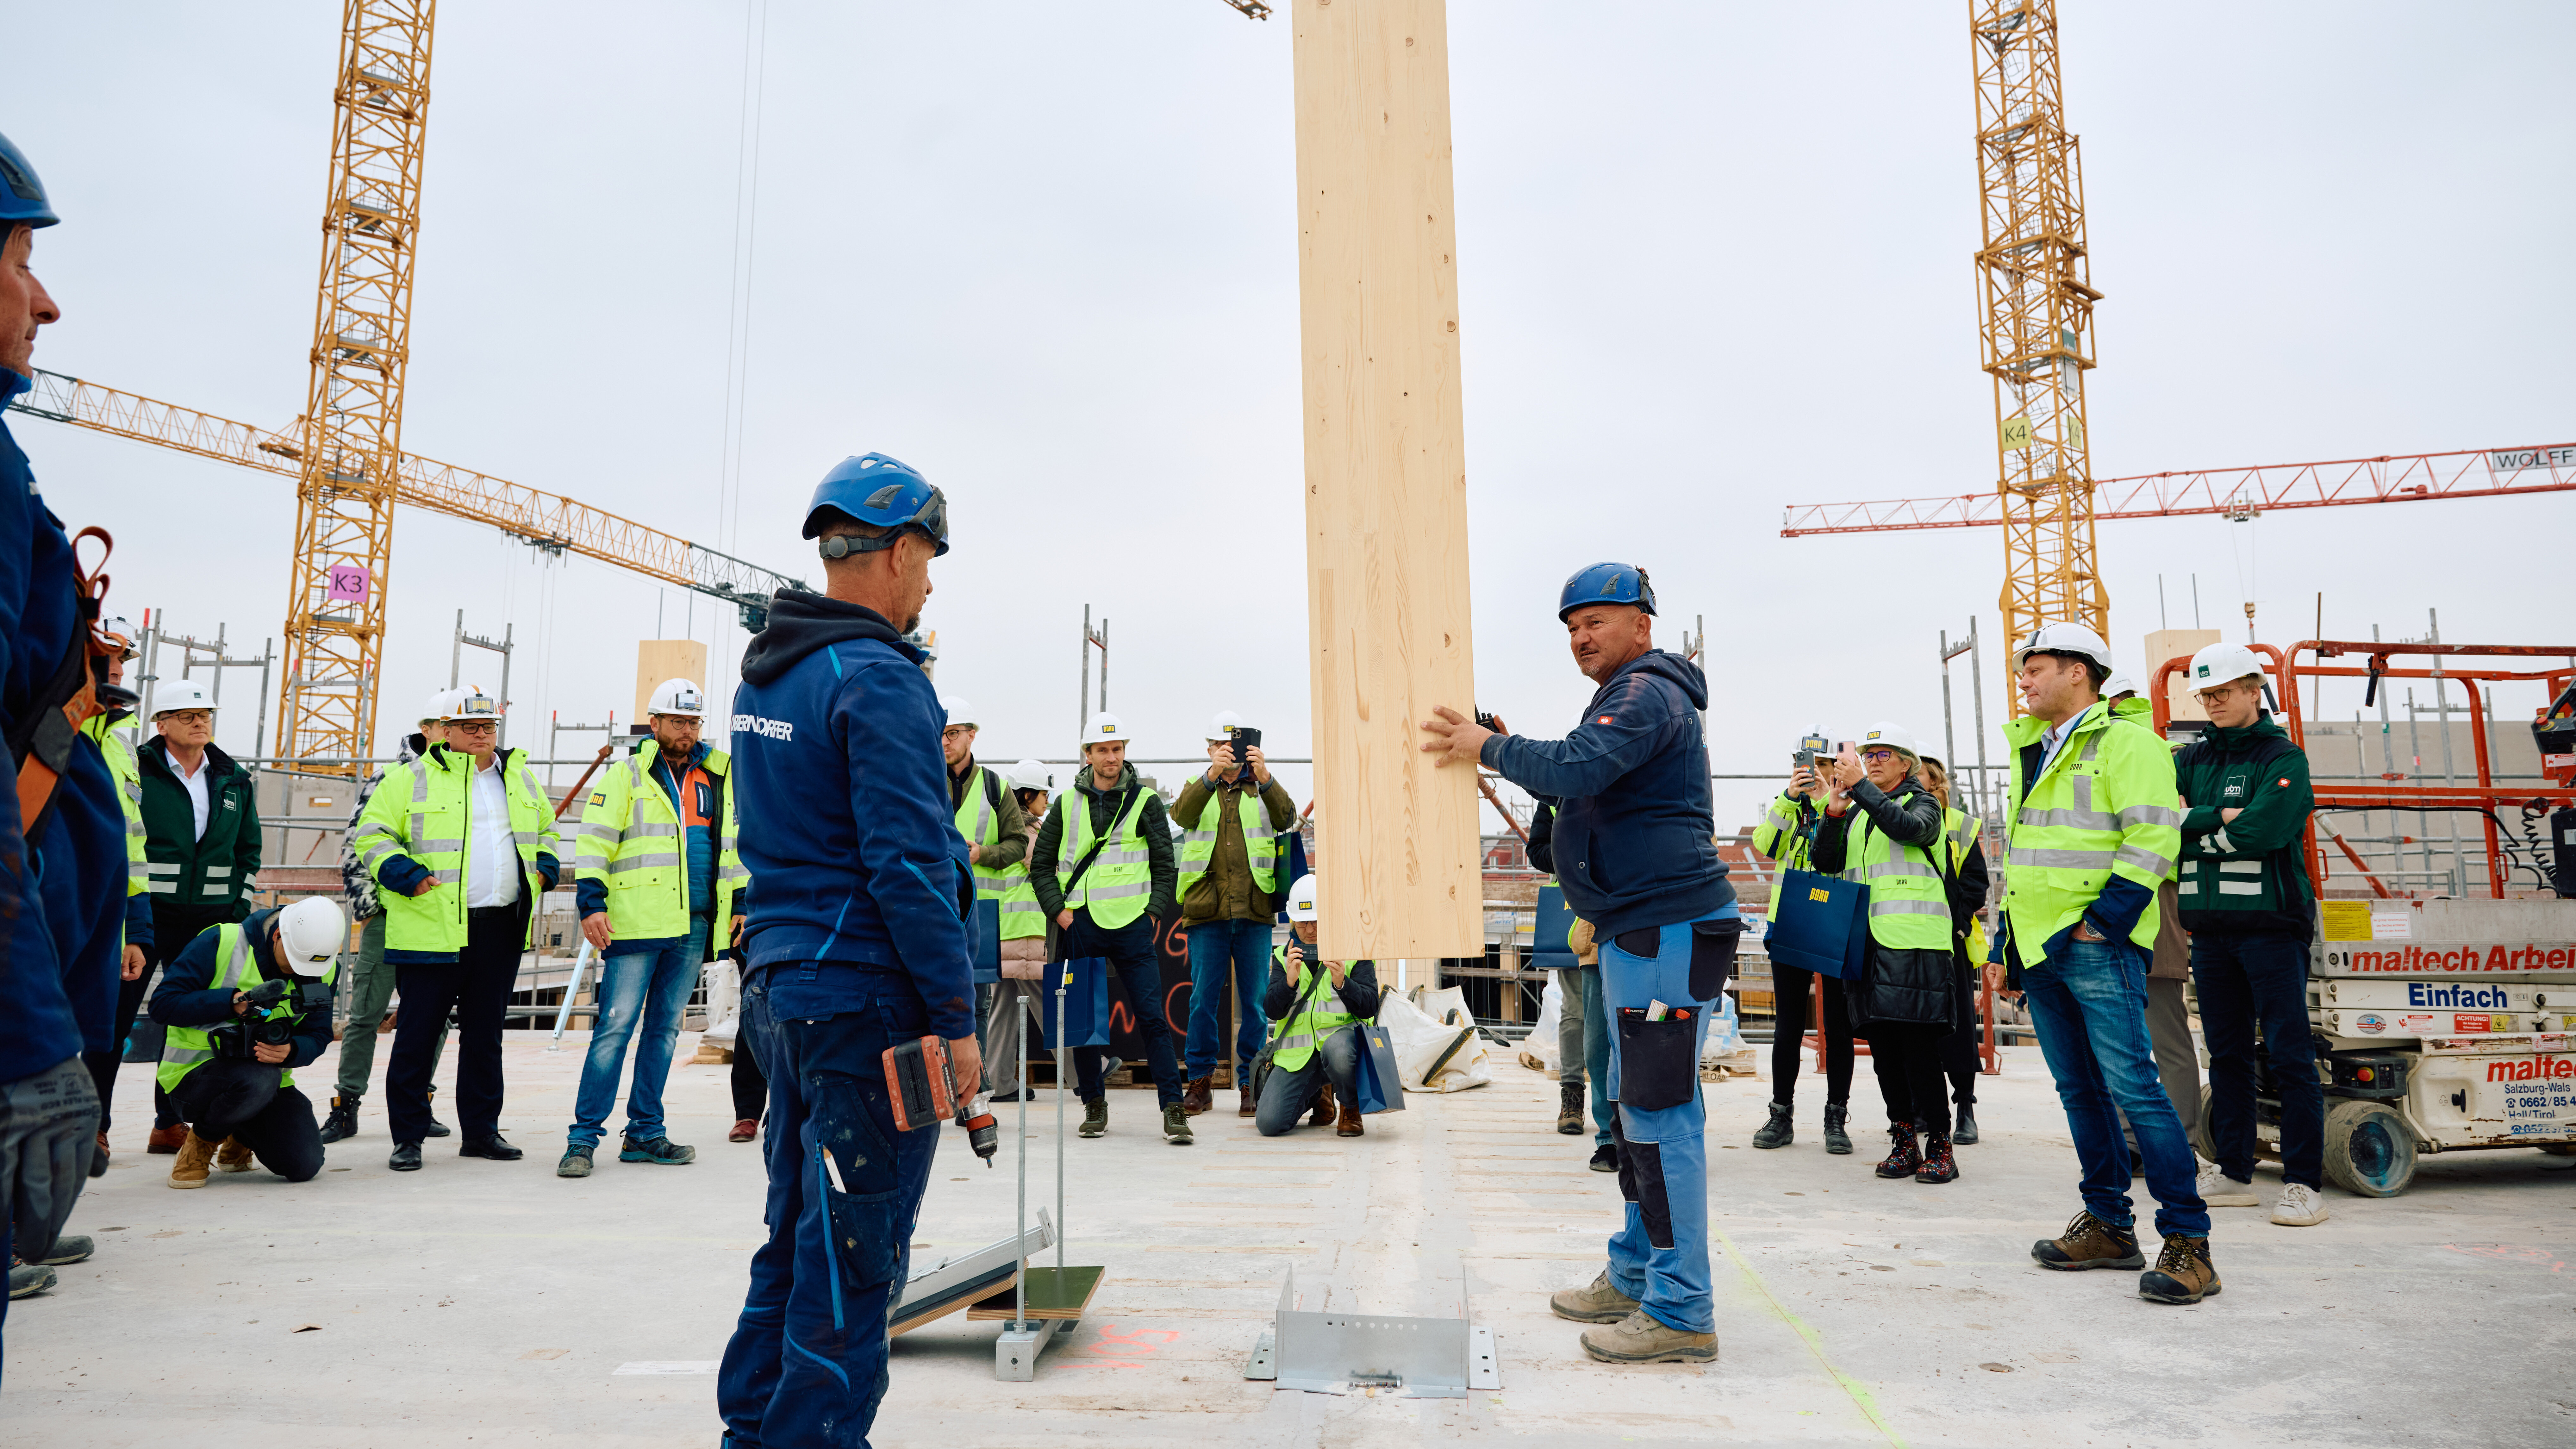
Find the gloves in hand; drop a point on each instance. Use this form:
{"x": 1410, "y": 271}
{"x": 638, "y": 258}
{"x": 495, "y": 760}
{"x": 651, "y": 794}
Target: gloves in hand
{"x": 48, "y": 1130}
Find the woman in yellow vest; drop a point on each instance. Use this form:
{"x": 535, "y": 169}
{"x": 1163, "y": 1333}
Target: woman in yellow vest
{"x": 1315, "y": 1008}
{"x": 1883, "y": 829}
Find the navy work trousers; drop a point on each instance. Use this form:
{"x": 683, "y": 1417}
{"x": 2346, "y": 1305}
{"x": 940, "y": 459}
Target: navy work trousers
{"x": 2256, "y": 985}
{"x": 807, "y": 1364}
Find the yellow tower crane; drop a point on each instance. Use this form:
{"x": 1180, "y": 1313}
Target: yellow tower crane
{"x": 351, "y": 449}
{"x": 2038, "y": 318}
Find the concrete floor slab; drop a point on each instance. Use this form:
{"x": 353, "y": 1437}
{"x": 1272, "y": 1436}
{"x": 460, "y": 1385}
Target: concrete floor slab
{"x": 477, "y": 1302}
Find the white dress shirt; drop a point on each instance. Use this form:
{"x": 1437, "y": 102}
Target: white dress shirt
{"x": 194, "y": 782}
{"x": 492, "y": 870}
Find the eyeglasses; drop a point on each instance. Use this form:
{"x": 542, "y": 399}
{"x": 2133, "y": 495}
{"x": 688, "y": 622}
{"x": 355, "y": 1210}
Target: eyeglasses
{"x": 485, "y": 728}
{"x": 1877, "y": 757}
{"x": 187, "y": 716}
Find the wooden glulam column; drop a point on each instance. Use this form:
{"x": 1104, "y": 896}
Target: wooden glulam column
{"x": 1386, "y": 506}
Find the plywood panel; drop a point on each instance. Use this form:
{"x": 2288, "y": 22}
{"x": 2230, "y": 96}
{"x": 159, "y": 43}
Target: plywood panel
{"x": 1386, "y": 506}
{"x": 660, "y": 659}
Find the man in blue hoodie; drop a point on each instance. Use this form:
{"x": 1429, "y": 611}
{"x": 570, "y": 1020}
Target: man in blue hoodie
{"x": 1635, "y": 850}
{"x": 859, "y": 937}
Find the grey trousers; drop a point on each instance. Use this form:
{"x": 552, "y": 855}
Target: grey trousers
{"x": 1286, "y": 1095}
{"x": 1002, "y": 1031}
{"x": 371, "y": 990}
{"x": 1569, "y": 1026}
{"x": 2169, "y": 1028}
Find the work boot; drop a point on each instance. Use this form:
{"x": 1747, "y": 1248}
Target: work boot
{"x": 194, "y": 1159}
{"x": 166, "y": 1140}
{"x": 1640, "y": 1338}
{"x": 1323, "y": 1116}
{"x": 2089, "y": 1242}
{"x": 1194, "y": 1097}
{"x": 2182, "y": 1274}
{"x": 2217, "y": 1189}
{"x": 1605, "y": 1158}
{"x": 1095, "y": 1117}
{"x": 744, "y": 1130}
{"x": 1904, "y": 1157}
{"x": 1781, "y": 1130}
{"x": 1837, "y": 1137}
{"x": 576, "y": 1163}
{"x": 1937, "y": 1166}
{"x": 343, "y": 1121}
{"x": 436, "y": 1127}
{"x": 233, "y": 1156}
{"x": 69, "y": 1248}
{"x": 1597, "y": 1302}
{"x": 661, "y": 1149}
{"x": 98, "y": 1158}
{"x": 1243, "y": 1103}
{"x": 1570, "y": 1102}
{"x": 1964, "y": 1130}
{"x": 1176, "y": 1126}
{"x": 26, "y": 1280}
{"x": 1348, "y": 1124}
{"x": 2300, "y": 1207}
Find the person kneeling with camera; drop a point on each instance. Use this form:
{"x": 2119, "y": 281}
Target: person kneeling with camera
{"x": 1315, "y": 1040}
{"x": 246, "y": 1004}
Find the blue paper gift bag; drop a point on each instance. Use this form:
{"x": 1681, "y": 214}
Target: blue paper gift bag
{"x": 1819, "y": 923}
{"x": 1085, "y": 983}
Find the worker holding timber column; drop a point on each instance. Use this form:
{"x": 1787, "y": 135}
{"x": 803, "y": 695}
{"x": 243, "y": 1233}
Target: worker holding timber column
{"x": 1636, "y": 855}
{"x": 461, "y": 842}
{"x": 657, "y": 873}
{"x": 1231, "y": 815}
{"x": 861, "y": 937}
{"x": 371, "y": 980}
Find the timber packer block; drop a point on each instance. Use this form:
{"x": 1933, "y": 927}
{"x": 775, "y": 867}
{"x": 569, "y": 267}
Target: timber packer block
{"x": 1386, "y": 487}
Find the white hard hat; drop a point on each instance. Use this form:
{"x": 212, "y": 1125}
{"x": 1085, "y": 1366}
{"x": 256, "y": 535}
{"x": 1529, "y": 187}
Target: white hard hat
{"x": 1030, "y": 775}
{"x": 471, "y": 703}
{"x": 1301, "y": 899}
{"x": 440, "y": 704}
{"x": 184, "y": 694}
{"x": 2119, "y": 684}
{"x": 680, "y": 697}
{"x": 1883, "y": 733}
{"x": 1224, "y": 725}
{"x": 959, "y": 712}
{"x": 120, "y": 629}
{"x": 2220, "y": 664}
{"x": 1104, "y": 728}
{"x": 311, "y": 934}
{"x": 2065, "y": 639}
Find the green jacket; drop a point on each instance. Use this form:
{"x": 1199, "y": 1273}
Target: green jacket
{"x": 2245, "y": 875}
{"x": 180, "y": 866}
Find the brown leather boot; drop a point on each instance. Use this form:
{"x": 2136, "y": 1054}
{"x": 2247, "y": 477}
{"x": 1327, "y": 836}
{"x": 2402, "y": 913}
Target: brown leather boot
{"x": 233, "y": 1156}
{"x": 2183, "y": 1273}
{"x": 1194, "y": 1097}
{"x": 166, "y": 1140}
{"x": 1349, "y": 1125}
{"x": 194, "y": 1159}
{"x": 1323, "y": 1107}
{"x": 1243, "y": 1107}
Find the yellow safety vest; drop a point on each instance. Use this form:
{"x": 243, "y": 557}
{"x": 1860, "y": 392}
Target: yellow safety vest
{"x": 1909, "y": 907}
{"x": 633, "y": 842}
{"x": 424, "y": 810}
{"x": 981, "y": 824}
{"x": 129, "y": 792}
{"x": 1777, "y": 838}
{"x": 1116, "y": 886}
{"x": 187, "y": 1048}
{"x": 1260, "y": 842}
{"x": 1963, "y": 830}
{"x": 1309, "y": 1019}
{"x": 2103, "y": 805}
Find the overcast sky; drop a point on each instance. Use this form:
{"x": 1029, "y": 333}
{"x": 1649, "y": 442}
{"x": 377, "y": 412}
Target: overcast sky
{"x": 1713, "y": 259}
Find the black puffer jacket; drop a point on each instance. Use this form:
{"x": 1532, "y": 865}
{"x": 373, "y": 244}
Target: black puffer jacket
{"x": 1897, "y": 985}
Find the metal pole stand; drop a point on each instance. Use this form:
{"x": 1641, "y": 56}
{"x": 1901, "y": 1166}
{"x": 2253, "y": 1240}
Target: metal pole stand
{"x": 1334, "y": 1353}
{"x": 572, "y": 988}
{"x": 1046, "y": 1301}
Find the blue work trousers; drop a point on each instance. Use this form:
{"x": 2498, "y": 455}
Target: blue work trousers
{"x": 807, "y": 1364}
{"x": 1660, "y": 1256}
{"x": 653, "y": 987}
{"x": 2259, "y": 983}
{"x": 2089, "y": 1006}
{"x": 1217, "y": 948}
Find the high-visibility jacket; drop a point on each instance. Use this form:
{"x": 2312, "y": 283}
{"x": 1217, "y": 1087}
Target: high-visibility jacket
{"x": 1909, "y": 901}
{"x": 187, "y": 1048}
{"x": 1260, "y": 842}
{"x": 2102, "y": 807}
{"x": 121, "y": 763}
{"x": 979, "y": 819}
{"x": 1315, "y": 1016}
{"x": 1117, "y": 885}
{"x": 636, "y": 846}
{"x": 1962, "y": 830}
{"x": 1786, "y": 835}
{"x": 423, "y": 812}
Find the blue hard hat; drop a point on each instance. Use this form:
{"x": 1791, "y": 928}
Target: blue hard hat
{"x": 879, "y": 490}
{"x": 22, "y": 196}
{"x": 1606, "y": 583}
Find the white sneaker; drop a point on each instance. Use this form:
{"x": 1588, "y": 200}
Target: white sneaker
{"x": 2301, "y": 1206}
{"x": 2217, "y": 1189}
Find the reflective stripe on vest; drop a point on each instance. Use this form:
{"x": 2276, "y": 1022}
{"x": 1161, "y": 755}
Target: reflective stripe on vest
{"x": 186, "y": 1048}
{"x": 1260, "y": 842}
{"x": 1309, "y": 1019}
{"x": 981, "y": 824}
{"x": 2102, "y": 806}
{"x": 633, "y": 841}
{"x": 1117, "y": 884}
{"x": 1908, "y": 908}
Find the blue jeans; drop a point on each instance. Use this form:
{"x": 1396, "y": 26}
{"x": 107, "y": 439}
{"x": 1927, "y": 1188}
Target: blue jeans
{"x": 807, "y": 1362}
{"x": 655, "y": 986}
{"x": 2089, "y": 1006}
{"x": 1214, "y": 947}
{"x": 1660, "y": 1255}
{"x": 2246, "y": 982}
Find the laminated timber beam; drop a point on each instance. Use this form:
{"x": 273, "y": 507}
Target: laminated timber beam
{"x": 1386, "y": 504}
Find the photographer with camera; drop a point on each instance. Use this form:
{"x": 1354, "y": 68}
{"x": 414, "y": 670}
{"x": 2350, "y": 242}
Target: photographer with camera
{"x": 246, "y": 1005}
{"x": 1318, "y": 1007}
{"x": 1231, "y": 816}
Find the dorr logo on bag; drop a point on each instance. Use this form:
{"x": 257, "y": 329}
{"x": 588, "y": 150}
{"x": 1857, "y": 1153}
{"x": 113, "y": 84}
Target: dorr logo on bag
{"x": 1818, "y": 895}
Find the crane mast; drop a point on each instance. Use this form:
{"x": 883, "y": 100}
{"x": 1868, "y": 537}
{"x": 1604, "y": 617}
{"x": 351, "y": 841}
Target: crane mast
{"x": 2038, "y": 318}
{"x": 351, "y": 445}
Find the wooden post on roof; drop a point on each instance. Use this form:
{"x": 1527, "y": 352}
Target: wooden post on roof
{"x": 1386, "y": 506}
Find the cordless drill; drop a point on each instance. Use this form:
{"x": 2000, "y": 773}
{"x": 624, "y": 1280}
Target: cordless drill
{"x": 921, "y": 1087}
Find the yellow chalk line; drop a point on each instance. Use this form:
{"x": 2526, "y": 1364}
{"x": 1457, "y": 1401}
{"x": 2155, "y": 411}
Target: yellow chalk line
{"x": 1860, "y": 1395}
